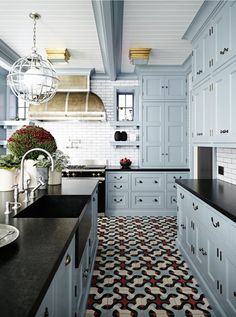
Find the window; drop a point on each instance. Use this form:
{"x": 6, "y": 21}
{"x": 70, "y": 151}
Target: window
{"x": 22, "y": 109}
{"x": 125, "y": 106}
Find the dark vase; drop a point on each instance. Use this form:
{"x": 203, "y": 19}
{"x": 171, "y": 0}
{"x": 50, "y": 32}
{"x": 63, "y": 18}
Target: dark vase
{"x": 123, "y": 136}
{"x": 117, "y": 136}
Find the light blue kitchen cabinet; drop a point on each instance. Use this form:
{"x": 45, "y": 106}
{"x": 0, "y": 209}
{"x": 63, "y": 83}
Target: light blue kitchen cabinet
{"x": 142, "y": 192}
{"x": 175, "y": 134}
{"x": 204, "y": 236}
{"x": 164, "y": 141}
{"x": 156, "y": 87}
{"x": 61, "y": 287}
{"x": 198, "y": 60}
{"x": 153, "y": 139}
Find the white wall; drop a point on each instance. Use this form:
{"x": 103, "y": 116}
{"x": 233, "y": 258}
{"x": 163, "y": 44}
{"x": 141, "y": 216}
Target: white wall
{"x": 94, "y": 137}
{"x": 226, "y": 157}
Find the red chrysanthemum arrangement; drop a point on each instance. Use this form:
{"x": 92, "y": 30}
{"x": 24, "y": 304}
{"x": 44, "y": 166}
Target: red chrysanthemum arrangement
{"x": 29, "y": 137}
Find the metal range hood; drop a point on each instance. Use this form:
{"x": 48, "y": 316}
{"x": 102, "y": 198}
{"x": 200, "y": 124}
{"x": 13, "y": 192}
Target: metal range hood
{"x": 70, "y": 106}
{"x": 73, "y": 101}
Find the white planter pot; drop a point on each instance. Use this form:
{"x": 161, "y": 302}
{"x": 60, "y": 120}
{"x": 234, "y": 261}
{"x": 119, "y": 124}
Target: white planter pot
{"x": 54, "y": 178}
{"x": 7, "y": 179}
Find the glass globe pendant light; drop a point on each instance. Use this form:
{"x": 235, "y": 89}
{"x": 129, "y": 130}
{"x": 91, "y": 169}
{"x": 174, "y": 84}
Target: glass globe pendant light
{"x": 32, "y": 78}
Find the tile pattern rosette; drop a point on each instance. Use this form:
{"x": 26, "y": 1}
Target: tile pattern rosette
{"x": 140, "y": 272}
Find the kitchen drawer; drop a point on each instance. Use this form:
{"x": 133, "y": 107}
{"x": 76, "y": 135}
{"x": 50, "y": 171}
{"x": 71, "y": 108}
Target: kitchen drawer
{"x": 117, "y": 177}
{"x": 148, "y": 182}
{"x": 171, "y": 201}
{"x": 217, "y": 226}
{"x": 171, "y": 187}
{"x": 118, "y": 186}
{"x": 148, "y": 201}
{"x": 171, "y": 177}
{"x": 195, "y": 207}
{"x": 118, "y": 201}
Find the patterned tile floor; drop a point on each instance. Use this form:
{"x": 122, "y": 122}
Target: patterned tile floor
{"x": 140, "y": 272}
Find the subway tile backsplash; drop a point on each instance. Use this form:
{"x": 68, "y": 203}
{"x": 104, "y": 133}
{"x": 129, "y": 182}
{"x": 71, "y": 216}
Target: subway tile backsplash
{"x": 83, "y": 140}
{"x": 226, "y": 157}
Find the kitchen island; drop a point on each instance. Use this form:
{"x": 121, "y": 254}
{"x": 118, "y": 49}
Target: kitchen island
{"x": 28, "y": 265}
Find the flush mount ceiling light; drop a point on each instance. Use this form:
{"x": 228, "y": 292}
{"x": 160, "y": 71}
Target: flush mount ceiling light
{"x": 32, "y": 78}
{"x": 139, "y": 56}
{"x": 58, "y": 56}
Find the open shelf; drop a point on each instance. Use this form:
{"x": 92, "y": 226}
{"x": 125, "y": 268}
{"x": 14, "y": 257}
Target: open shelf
{"x": 14, "y": 123}
{"x": 125, "y": 124}
{"x": 125, "y": 143}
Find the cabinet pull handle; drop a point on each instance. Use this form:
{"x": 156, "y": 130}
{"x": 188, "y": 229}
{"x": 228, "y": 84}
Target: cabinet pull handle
{"x": 183, "y": 226}
{"x": 195, "y": 207}
{"x": 234, "y": 294}
{"x": 224, "y": 131}
{"x": 118, "y": 177}
{"x": 217, "y": 224}
{"x": 140, "y": 182}
{"x": 85, "y": 273}
{"x": 156, "y": 182}
{"x": 226, "y": 49}
{"x": 174, "y": 200}
{"x": 68, "y": 259}
{"x": 200, "y": 249}
{"x": 181, "y": 196}
{"x": 222, "y": 52}
{"x": 46, "y": 313}
{"x": 118, "y": 187}
{"x": 118, "y": 201}
{"x": 204, "y": 253}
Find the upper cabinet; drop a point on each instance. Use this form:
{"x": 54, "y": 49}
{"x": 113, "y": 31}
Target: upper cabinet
{"x": 163, "y": 87}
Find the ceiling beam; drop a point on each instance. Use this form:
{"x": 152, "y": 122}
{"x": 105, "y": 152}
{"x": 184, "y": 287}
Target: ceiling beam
{"x": 109, "y": 22}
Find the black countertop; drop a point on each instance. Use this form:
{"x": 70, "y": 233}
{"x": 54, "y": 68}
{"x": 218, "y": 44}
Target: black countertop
{"x": 216, "y": 193}
{"x": 137, "y": 168}
{"x": 28, "y": 265}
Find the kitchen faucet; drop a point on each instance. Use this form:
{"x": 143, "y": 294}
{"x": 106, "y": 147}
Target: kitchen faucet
{"x": 22, "y": 188}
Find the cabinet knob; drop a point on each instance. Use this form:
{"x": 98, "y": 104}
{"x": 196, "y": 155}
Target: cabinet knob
{"x": 162, "y": 153}
{"x": 162, "y": 86}
{"x": 204, "y": 253}
{"x": 85, "y": 273}
{"x": 94, "y": 198}
{"x": 174, "y": 186}
{"x": 156, "y": 182}
{"x": 166, "y": 153}
{"x": 68, "y": 259}
{"x": 174, "y": 200}
{"x": 156, "y": 200}
{"x": 166, "y": 87}
{"x": 226, "y": 49}
{"x": 115, "y": 186}
{"x": 140, "y": 200}
{"x": 222, "y": 52}
{"x": 140, "y": 182}
{"x": 234, "y": 294}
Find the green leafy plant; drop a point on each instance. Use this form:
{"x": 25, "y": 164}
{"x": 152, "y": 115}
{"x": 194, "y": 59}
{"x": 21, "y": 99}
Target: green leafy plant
{"x": 60, "y": 161}
{"x": 29, "y": 137}
{"x": 9, "y": 162}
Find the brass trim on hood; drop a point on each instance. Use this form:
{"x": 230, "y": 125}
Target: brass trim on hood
{"x": 70, "y": 106}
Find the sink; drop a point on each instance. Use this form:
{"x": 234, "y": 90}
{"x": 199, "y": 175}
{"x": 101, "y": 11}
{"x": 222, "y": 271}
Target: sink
{"x": 54, "y": 206}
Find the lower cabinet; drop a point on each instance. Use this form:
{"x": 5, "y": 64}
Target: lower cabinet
{"x": 68, "y": 292}
{"x": 141, "y": 192}
{"x": 205, "y": 236}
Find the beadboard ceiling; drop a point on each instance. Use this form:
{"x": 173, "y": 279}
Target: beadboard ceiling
{"x": 158, "y": 25}
{"x": 71, "y": 24}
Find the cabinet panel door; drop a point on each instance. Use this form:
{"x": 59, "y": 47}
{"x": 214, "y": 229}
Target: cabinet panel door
{"x": 198, "y": 61}
{"x": 153, "y": 87}
{"x": 153, "y": 134}
{"x": 175, "y": 87}
{"x": 175, "y": 134}
{"x": 148, "y": 201}
{"x": 148, "y": 182}
{"x": 47, "y": 305}
{"x": 231, "y": 285}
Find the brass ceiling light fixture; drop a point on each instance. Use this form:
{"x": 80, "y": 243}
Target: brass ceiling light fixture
{"x": 58, "y": 55}
{"x": 139, "y": 56}
{"x": 32, "y": 78}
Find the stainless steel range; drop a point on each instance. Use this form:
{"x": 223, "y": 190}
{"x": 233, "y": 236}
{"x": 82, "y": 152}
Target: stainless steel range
{"x": 89, "y": 171}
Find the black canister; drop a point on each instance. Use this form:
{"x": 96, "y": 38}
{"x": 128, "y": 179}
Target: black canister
{"x": 123, "y": 136}
{"x": 118, "y": 136}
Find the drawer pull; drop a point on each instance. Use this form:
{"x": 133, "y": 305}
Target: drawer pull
{"x": 140, "y": 182}
{"x": 156, "y": 200}
{"x": 174, "y": 200}
{"x": 204, "y": 253}
{"x": 222, "y": 52}
{"x": 174, "y": 177}
{"x": 181, "y": 196}
{"x": 217, "y": 224}
{"x": 85, "y": 273}
{"x": 115, "y": 186}
{"x": 156, "y": 182}
{"x": 118, "y": 201}
{"x": 120, "y": 177}
{"x": 140, "y": 200}
{"x": 174, "y": 186}
{"x": 46, "y": 313}
{"x": 183, "y": 226}
{"x": 195, "y": 207}
{"x": 234, "y": 294}
{"x": 226, "y": 49}
{"x": 68, "y": 259}
{"x": 201, "y": 249}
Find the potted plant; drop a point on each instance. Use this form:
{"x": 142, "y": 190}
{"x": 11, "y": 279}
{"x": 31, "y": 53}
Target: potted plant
{"x": 8, "y": 171}
{"x": 61, "y": 160}
{"x": 27, "y": 138}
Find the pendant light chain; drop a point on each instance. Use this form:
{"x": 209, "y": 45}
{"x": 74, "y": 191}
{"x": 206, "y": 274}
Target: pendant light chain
{"x": 34, "y": 36}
